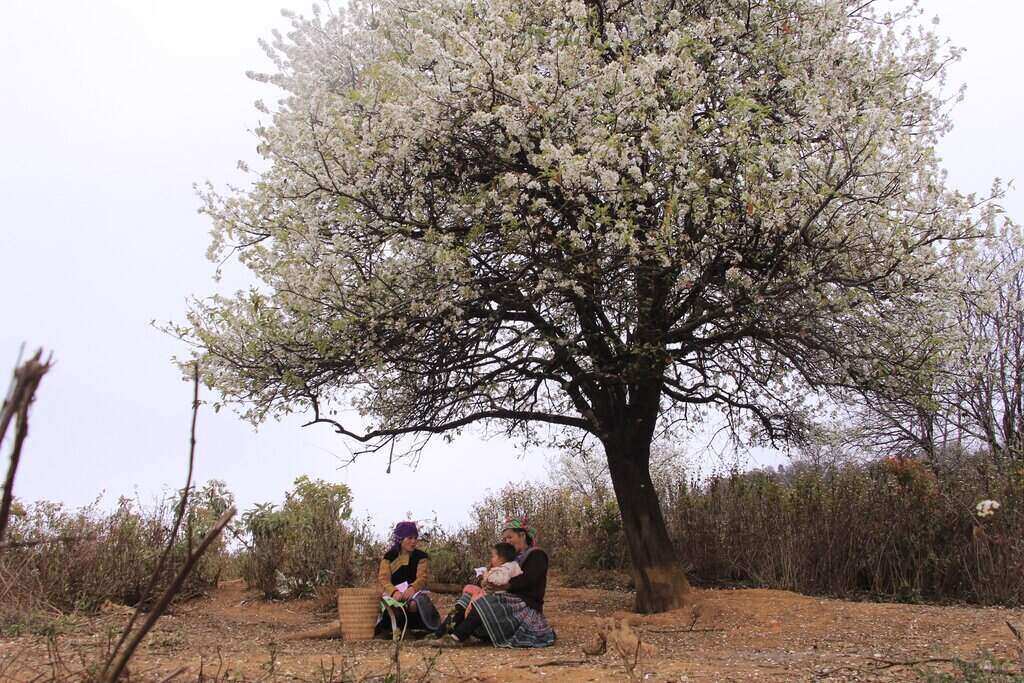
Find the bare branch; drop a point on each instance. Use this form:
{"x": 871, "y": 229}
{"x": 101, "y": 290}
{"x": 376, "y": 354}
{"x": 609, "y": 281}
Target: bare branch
{"x": 179, "y": 514}
{"x": 119, "y": 658}
{"x": 16, "y": 405}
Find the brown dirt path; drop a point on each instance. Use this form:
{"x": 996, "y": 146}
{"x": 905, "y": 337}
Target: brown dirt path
{"x": 739, "y": 635}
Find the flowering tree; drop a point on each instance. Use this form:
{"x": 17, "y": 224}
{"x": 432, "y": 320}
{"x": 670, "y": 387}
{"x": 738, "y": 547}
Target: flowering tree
{"x": 607, "y": 216}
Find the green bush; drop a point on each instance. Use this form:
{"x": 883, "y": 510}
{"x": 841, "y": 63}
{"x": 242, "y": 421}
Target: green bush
{"x": 262, "y": 560}
{"x": 308, "y": 543}
{"x": 314, "y": 515}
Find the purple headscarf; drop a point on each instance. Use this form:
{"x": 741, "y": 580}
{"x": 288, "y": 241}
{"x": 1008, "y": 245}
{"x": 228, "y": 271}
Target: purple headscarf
{"x": 402, "y": 531}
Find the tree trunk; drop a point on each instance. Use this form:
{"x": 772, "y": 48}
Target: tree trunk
{"x": 661, "y": 583}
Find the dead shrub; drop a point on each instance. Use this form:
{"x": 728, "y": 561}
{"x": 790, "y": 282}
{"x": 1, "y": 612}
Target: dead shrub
{"x": 895, "y": 529}
{"x": 77, "y": 560}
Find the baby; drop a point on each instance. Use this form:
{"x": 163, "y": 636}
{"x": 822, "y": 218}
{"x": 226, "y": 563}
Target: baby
{"x": 503, "y": 568}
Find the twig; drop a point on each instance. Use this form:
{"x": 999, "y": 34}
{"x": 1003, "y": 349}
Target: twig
{"x": 57, "y": 667}
{"x": 168, "y": 595}
{"x": 883, "y": 664}
{"x": 552, "y": 662}
{"x": 174, "y": 675}
{"x": 151, "y": 586}
{"x": 696, "y": 616}
{"x": 5, "y": 414}
{"x": 16, "y": 404}
{"x": 45, "y": 541}
{"x": 683, "y": 630}
{"x": 875, "y": 665}
{"x": 429, "y": 668}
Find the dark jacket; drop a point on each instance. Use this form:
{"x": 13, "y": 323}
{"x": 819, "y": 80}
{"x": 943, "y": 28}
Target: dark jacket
{"x": 533, "y": 582}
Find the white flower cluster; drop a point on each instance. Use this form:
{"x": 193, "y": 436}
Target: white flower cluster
{"x": 986, "y": 508}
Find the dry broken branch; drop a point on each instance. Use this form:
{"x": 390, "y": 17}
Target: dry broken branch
{"x": 179, "y": 514}
{"x": 129, "y": 640}
{"x": 16, "y": 404}
{"x": 117, "y": 664}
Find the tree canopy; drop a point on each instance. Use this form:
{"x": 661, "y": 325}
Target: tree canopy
{"x": 603, "y": 215}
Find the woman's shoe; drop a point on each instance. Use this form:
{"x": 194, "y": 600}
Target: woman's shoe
{"x": 449, "y": 622}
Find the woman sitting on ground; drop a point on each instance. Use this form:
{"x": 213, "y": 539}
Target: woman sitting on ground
{"x": 403, "y": 576}
{"x": 510, "y": 615}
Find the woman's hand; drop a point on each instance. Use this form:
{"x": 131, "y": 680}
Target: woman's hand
{"x": 408, "y": 593}
{"x": 489, "y": 586}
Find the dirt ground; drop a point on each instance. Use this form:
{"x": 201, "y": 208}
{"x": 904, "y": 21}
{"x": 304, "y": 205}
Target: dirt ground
{"x": 738, "y": 635}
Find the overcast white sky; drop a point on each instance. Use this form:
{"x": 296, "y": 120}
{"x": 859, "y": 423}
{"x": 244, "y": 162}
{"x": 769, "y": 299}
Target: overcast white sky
{"x": 109, "y": 111}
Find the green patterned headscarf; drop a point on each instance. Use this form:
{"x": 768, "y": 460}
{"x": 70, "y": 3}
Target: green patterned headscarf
{"x": 521, "y": 524}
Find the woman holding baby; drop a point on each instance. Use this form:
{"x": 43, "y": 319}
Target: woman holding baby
{"x": 507, "y": 609}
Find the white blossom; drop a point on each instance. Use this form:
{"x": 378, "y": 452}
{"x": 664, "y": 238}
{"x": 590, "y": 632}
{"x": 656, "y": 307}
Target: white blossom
{"x": 577, "y": 10}
{"x": 986, "y": 508}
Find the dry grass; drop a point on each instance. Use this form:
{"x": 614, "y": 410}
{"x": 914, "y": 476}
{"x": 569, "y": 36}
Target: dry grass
{"x": 75, "y": 561}
{"x": 892, "y": 529}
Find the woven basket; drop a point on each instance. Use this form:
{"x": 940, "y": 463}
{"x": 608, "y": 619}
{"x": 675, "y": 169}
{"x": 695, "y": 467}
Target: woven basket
{"x": 358, "y": 610}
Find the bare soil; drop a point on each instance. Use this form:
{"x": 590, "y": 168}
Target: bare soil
{"x": 729, "y": 635}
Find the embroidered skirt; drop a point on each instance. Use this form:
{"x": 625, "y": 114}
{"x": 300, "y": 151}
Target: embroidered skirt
{"x": 510, "y": 622}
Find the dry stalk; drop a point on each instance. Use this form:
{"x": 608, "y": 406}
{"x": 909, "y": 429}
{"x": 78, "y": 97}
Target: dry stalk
{"x": 396, "y": 660}
{"x": 397, "y": 638}
{"x": 179, "y": 514}
{"x": 7, "y": 409}
{"x": 117, "y": 665}
{"x": 632, "y": 666}
{"x": 15, "y": 407}
{"x": 129, "y": 639}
